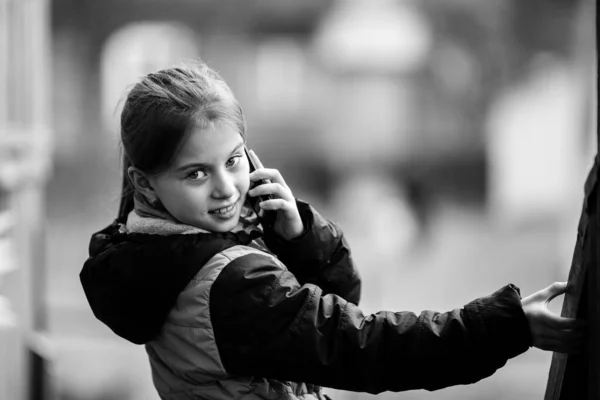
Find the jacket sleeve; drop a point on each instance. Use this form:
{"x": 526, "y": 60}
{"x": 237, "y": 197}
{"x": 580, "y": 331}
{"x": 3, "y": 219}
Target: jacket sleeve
{"x": 266, "y": 324}
{"x": 321, "y": 255}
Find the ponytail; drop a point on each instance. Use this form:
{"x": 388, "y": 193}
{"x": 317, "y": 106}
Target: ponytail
{"x": 127, "y": 192}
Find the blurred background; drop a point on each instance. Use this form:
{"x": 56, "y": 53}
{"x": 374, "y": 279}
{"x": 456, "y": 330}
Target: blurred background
{"x": 449, "y": 138}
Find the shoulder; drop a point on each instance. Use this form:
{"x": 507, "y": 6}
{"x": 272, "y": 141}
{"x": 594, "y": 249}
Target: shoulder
{"x": 131, "y": 281}
{"x": 236, "y": 262}
{"x": 239, "y": 274}
{"x": 256, "y": 287}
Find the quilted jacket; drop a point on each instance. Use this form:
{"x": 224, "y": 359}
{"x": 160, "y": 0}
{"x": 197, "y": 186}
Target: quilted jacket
{"x": 242, "y": 315}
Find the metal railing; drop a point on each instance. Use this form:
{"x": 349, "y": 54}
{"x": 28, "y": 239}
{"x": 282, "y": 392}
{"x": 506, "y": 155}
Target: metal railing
{"x": 24, "y": 164}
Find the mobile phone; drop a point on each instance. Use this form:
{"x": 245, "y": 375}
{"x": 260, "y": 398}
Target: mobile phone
{"x": 268, "y": 216}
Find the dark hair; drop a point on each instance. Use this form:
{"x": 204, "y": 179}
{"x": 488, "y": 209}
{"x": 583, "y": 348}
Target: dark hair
{"x": 160, "y": 111}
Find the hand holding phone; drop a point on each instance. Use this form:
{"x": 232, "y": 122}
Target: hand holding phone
{"x": 266, "y": 217}
{"x": 279, "y": 209}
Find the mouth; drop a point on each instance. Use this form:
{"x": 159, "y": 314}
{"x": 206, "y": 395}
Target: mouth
{"x": 224, "y": 212}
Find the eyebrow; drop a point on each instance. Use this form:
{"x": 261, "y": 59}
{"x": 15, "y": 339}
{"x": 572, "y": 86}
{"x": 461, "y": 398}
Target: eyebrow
{"x": 204, "y": 165}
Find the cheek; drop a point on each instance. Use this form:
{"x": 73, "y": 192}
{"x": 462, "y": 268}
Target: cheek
{"x": 244, "y": 184}
{"x": 176, "y": 195}
{"x": 195, "y": 199}
{"x": 188, "y": 203}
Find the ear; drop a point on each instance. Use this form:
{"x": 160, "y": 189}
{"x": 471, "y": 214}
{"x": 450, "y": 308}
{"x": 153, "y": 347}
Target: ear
{"x": 141, "y": 183}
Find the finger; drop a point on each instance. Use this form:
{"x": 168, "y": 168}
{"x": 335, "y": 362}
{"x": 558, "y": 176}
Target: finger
{"x": 275, "y": 204}
{"x": 270, "y": 174}
{"x": 570, "y": 344}
{"x": 560, "y": 346}
{"x": 561, "y": 323}
{"x": 556, "y": 289}
{"x": 255, "y": 160}
{"x": 572, "y": 347}
{"x": 566, "y": 336}
{"x": 548, "y": 345}
{"x": 274, "y": 189}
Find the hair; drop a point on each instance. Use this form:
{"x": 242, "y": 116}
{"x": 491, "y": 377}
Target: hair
{"x": 159, "y": 114}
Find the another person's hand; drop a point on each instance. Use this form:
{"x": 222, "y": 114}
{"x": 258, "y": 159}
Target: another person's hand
{"x": 550, "y": 331}
{"x": 288, "y": 223}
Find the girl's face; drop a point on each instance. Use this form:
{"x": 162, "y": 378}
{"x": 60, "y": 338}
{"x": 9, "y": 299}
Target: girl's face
{"x": 206, "y": 185}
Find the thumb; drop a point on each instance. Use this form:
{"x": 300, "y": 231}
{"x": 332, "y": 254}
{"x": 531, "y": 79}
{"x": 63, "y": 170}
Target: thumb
{"x": 556, "y": 289}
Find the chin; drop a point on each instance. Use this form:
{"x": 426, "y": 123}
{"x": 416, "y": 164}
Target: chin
{"x": 221, "y": 229}
{"x": 224, "y": 227}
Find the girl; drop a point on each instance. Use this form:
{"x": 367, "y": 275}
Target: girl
{"x": 229, "y": 309}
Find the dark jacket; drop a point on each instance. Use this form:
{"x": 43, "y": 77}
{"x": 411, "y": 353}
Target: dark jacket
{"x": 295, "y": 317}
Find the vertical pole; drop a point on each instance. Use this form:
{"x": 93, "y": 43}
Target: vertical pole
{"x": 577, "y": 376}
{"x": 594, "y": 274}
{"x": 24, "y": 162}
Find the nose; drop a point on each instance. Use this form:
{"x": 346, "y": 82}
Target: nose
{"x": 223, "y": 185}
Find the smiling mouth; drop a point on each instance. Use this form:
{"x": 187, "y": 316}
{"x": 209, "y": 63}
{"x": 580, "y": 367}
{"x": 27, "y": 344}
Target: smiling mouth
{"x": 223, "y": 211}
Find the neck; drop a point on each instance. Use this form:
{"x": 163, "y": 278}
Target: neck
{"x": 144, "y": 208}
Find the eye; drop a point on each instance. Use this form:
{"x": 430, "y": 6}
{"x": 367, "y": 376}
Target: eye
{"x": 194, "y": 175}
{"x": 233, "y": 161}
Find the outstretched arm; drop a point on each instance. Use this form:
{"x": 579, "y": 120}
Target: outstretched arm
{"x": 267, "y": 324}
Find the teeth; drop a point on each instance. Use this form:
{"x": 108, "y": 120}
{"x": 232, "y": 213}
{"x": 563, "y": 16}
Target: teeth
{"x": 223, "y": 210}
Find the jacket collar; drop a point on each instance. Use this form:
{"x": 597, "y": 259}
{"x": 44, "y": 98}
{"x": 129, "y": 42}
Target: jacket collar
{"x": 152, "y": 225}
{"x": 157, "y": 226}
